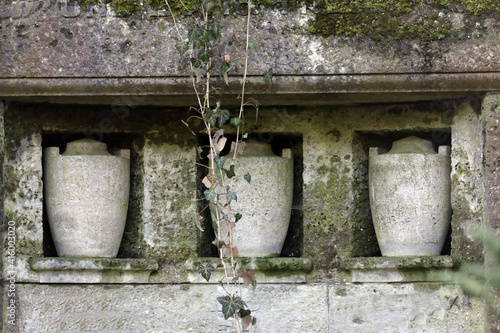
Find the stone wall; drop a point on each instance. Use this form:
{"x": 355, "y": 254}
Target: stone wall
{"x": 317, "y": 286}
{"x": 70, "y": 71}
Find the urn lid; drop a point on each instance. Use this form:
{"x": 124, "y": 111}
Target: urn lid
{"x": 257, "y": 148}
{"x": 412, "y": 145}
{"x": 86, "y": 147}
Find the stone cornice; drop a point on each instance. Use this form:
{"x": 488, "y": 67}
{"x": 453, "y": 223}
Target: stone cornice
{"x": 285, "y": 90}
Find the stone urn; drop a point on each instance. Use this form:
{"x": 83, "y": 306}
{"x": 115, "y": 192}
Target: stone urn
{"x": 86, "y": 197}
{"x": 265, "y": 203}
{"x": 410, "y": 197}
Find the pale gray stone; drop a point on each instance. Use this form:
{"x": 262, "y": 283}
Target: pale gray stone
{"x": 166, "y": 308}
{"x": 93, "y": 270}
{"x": 410, "y": 197}
{"x": 403, "y": 308}
{"x": 265, "y": 203}
{"x": 86, "y": 193}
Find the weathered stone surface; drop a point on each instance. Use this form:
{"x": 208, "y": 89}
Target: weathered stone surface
{"x": 86, "y": 197}
{"x": 400, "y": 269}
{"x": 466, "y": 179}
{"x": 410, "y": 197}
{"x": 166, "y": 308}
{"x": 102, "y": 44}
{"x": 61, "y": 49}
{"x": 491, "y": 118}
{"x": 267, "y": 270}
{"x": 403, "y": 308}
{"x": 92, "y": 270}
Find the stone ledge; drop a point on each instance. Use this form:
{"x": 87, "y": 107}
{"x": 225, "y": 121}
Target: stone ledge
{"x": 93, "y": 270}
{"x": 286, "y": 89}
{"x": 267, "y": 270}
{"x": 401, "y": 269}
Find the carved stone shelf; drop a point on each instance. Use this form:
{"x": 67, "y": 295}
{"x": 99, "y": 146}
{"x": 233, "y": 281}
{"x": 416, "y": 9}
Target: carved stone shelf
{"x": 267, "y": 270}
{"x": 401, "y": 269}
{"x": 93, "y": 270}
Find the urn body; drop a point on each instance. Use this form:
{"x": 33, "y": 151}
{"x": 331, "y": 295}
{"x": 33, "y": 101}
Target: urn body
{"x": 410, "y": 197}
{"x": 86, "y": 198}
{"x": 265, "y": 203}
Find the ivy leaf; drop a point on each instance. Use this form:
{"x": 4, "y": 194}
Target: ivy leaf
{"x": 224, "y": 116}
{"x": 208, "y": 181}
{"x": 246, "y": 318}
{"x": 198, "y": 44}
{"x": 241, "y": 81}
{"x": 218, "y": 135}
{"x": 210, "y": 194}
{"x": 195, "y": 62}
{"x": 247, "y": 177}
{"x": 216, "y": 30}
{"x": 231, "y": 196}
{"x": 251, "y": 44}
{"x": 207, "y": 35}
{"x": 209, "y": 116}
{"x": 194, "y": 33}
{"x": 237, "y": 217}
{"x": 205, "y": 56}
{"x": 220, "y": 161}
{"x": 197, "y": 220}
{"x": 268, "y": 76}
{"x": 182, "y": 48}
{"x": 206, "y": 271}
{"x": 248, "y": 277}
{"x": 226, "y": 67}
{"x": 235, "y": 121}
{"x": 230, "y": 173}
{"x": 245, "y": 312}
{"x": 221, "y": 144}
{"x": 230, "y": 305}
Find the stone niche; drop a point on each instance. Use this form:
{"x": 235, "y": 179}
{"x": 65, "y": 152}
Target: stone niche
{"x": 330, "y": 276}
{"x": 293, "y": 246}
{"x": 161, "y": 190}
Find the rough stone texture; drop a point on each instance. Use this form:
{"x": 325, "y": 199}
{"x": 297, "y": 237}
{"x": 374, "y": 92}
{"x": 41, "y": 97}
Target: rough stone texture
{"x": 166, "y": 171}
{"x": 303, "y": 308}
{"x": 23, "y": 183}
{"x": 166, "y": 308}
{"x": 92, "y": 270}
{"x": 491, "y": 118}
{"x": 57, "y": 50}
{"x": 403, "y": 308}
{"x": 410, "y": 197}
{"x": 331, "y": 210}
{"x": 466, "y": 179}
{"x": 72, "y": 41}
{"x": 400, "y": 269}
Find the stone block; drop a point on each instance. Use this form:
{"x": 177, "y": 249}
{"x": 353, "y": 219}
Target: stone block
{"x": 403, "y": 308}
{"x": 165, "y": 308}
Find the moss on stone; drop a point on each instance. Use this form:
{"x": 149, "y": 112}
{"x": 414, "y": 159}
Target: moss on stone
{"x": 375, "y": 19}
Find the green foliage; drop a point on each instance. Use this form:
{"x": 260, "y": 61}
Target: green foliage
{"x": 230, "y": 305}
{"x": 474, "y": 277}
{"x": 268, "y": 76}
{"x": 395, "y": 19}
{"x": 206, "y": 271}
{"x": 210, "y": 194}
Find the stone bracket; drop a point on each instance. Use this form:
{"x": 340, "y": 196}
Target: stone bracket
{"x": 267, "y": 270}
{"x": 401, "y": 269}
{"x": 93, "y": 270}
